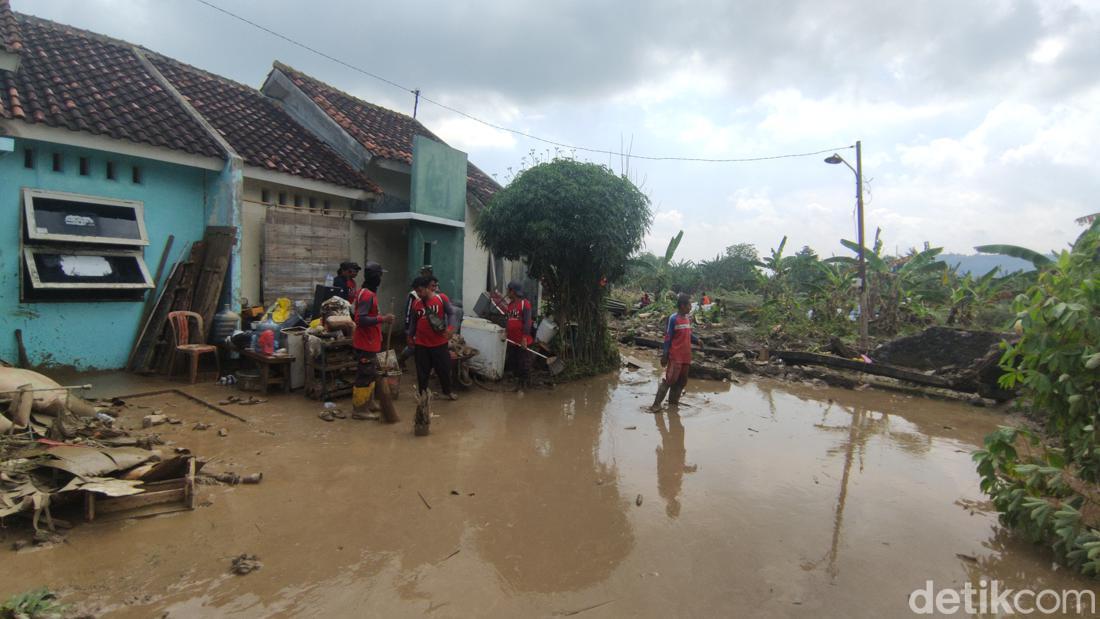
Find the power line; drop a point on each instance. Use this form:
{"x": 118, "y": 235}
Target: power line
{"x": 420, "y": 97}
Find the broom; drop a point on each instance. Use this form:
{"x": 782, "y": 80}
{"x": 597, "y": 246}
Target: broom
{"x": 385, "y": 398}
{"x": 556, "y": 365}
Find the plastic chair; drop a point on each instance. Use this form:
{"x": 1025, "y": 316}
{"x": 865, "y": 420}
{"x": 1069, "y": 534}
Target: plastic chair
{"x": 181, "y": 333}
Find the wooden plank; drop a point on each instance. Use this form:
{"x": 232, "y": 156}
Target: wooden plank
{"x": 123, "y": 503}
{"x": 141, "y": 357}
{"x": 151, "y": 300}
{"x": 220, "y": 241}
{"x": 878, "y": 369}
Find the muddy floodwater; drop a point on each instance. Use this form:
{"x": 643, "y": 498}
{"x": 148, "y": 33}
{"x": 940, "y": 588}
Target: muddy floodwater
{"x": 757, "y": 499}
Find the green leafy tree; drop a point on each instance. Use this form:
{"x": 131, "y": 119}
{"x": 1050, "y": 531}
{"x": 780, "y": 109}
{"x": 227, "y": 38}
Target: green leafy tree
{"x": 573, "y": 224}
{"x": 1046, "y": 486}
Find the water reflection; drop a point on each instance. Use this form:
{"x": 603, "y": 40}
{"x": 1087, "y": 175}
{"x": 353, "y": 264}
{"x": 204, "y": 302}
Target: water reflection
{"x": 671, "y": 461}
{"x": 557, "y": 521}
{"x": 863, "y": 424}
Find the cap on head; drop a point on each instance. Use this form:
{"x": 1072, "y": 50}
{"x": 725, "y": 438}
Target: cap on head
{"x": 516, "y": 287}
{"x": 374, "y": 267}
{"x": 344, "y": 266}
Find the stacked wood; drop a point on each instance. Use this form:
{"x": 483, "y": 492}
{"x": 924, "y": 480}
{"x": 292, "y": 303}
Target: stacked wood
{"x": 194, "y": 284}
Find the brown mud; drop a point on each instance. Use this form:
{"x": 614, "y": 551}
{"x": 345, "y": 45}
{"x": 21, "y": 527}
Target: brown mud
{"x": 755, "y": 499}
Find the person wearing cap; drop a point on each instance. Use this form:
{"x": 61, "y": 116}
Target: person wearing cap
{"x": 367, "y": 343}
{"x": 345, "y": 279}
{"x": 676, "y": 354}
{"x": 518, "y": 329}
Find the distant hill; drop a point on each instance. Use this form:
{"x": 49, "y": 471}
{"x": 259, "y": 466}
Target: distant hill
{"x": 980, "y": 264}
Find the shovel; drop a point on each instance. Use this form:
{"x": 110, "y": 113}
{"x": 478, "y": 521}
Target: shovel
{"x": 557, "y": 366}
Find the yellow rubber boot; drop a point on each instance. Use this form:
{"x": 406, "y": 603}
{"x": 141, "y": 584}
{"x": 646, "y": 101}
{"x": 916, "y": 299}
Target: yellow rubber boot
{"x": 360, "y": 401}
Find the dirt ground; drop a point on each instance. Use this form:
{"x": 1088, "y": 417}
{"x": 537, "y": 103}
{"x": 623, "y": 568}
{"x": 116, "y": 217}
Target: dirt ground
{"x": 755, "y": 499}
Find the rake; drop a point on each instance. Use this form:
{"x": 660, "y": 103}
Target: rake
{"x": 556, "y": 365}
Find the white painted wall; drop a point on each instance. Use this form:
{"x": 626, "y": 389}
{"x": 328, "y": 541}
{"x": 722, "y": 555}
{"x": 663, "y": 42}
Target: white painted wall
{"x": 475, "y": 267}
{"x": 252, "y": 249}
{"x": 253, "y": 216}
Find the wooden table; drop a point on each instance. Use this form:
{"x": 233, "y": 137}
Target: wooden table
{"x": 265, "y": 363}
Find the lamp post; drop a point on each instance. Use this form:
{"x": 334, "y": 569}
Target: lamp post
{"x": 858, "y": 171}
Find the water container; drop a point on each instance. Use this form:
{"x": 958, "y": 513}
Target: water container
{"x": 296, "y": 346}
{"x": 546, "y": 331}
{"x": 225, "y": 324}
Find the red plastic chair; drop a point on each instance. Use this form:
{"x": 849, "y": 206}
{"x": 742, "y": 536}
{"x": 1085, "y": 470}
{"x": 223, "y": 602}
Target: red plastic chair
{"x": 182, "y": 335}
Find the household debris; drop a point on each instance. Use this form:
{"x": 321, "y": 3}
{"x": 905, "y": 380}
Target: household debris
{"x": 59, "y": 451}
{"x": 245, "y": 564}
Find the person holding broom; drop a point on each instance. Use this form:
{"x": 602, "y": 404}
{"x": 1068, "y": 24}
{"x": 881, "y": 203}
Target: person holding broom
{"x": 518, "y": 330}
{"x": 367, "y": 343}
{"x": 676, "y": 355}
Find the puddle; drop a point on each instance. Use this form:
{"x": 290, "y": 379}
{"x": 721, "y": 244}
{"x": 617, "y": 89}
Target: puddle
{"x": 759, "y": 499}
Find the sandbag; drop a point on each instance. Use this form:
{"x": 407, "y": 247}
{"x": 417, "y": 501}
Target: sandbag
{"x": 11, "y": 379}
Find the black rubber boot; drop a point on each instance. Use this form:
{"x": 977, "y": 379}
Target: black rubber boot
{"x": 662, "y": 389}
{"x": 674, "y": 395}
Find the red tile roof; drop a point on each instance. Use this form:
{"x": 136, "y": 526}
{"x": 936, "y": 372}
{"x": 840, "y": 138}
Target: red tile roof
{"x": 257, "y": 128}
{"x": 10, "y": 41}
{"x": 78, "y": 80}
{"x": 384, "y": 132}
{"x": 83, "y": 81}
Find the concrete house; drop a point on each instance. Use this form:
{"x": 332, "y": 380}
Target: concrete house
{"x": 431, "y": 193}
{"x": 99, "y": 164}
{"x": 107, "y": 148}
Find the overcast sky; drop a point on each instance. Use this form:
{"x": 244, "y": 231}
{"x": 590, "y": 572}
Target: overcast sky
{"x": 979, "y": 119}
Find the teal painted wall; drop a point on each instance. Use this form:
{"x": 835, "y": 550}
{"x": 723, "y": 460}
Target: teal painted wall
{"x": 90, "y": 335}
{"x": 438, "y": 180}
{"x": 446, "y": 255}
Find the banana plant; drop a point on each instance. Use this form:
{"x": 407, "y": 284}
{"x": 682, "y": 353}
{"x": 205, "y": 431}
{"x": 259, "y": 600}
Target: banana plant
{"x": 660, "y": 270}
{"x": 972, "y": 292}
{"x": 1038, "y": 260}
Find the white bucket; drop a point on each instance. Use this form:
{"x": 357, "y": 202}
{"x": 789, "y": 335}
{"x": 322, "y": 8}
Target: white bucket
{"x": 546, "y": 331}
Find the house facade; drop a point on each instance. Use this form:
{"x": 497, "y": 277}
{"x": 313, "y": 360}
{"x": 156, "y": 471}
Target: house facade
{"x": 97, "y": 174}
{"x": 97, "y": 133}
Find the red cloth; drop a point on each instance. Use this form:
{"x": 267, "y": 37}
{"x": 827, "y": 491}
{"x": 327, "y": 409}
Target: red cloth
{"x": 518, "y": 327}
{"x": 425, "y": 335}
{"x": 352, "y": 292}
{"x": 679, "y": 336}
{"x": 368, "y": 339}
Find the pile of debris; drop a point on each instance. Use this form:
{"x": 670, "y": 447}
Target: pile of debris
{"x": 58, "y": 450}
{"x": 940, "y": 361}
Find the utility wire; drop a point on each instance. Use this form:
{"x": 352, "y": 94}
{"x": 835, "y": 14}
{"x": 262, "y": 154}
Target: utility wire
{"x": 420, "y": 97}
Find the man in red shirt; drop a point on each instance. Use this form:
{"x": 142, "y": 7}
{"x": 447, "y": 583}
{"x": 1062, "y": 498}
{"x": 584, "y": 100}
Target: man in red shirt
{"x": 676, "y": 356}
{"x": 518, "y": 329}
{"x": 430, "y": 332}
{"x": 367, "y": 343}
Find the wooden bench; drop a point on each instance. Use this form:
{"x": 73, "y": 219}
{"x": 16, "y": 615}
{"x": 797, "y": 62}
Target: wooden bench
{"x": 265, "y": 362}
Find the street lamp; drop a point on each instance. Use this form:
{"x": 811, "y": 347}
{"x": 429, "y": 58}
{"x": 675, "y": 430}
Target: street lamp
{"x": 858, "y": 171}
